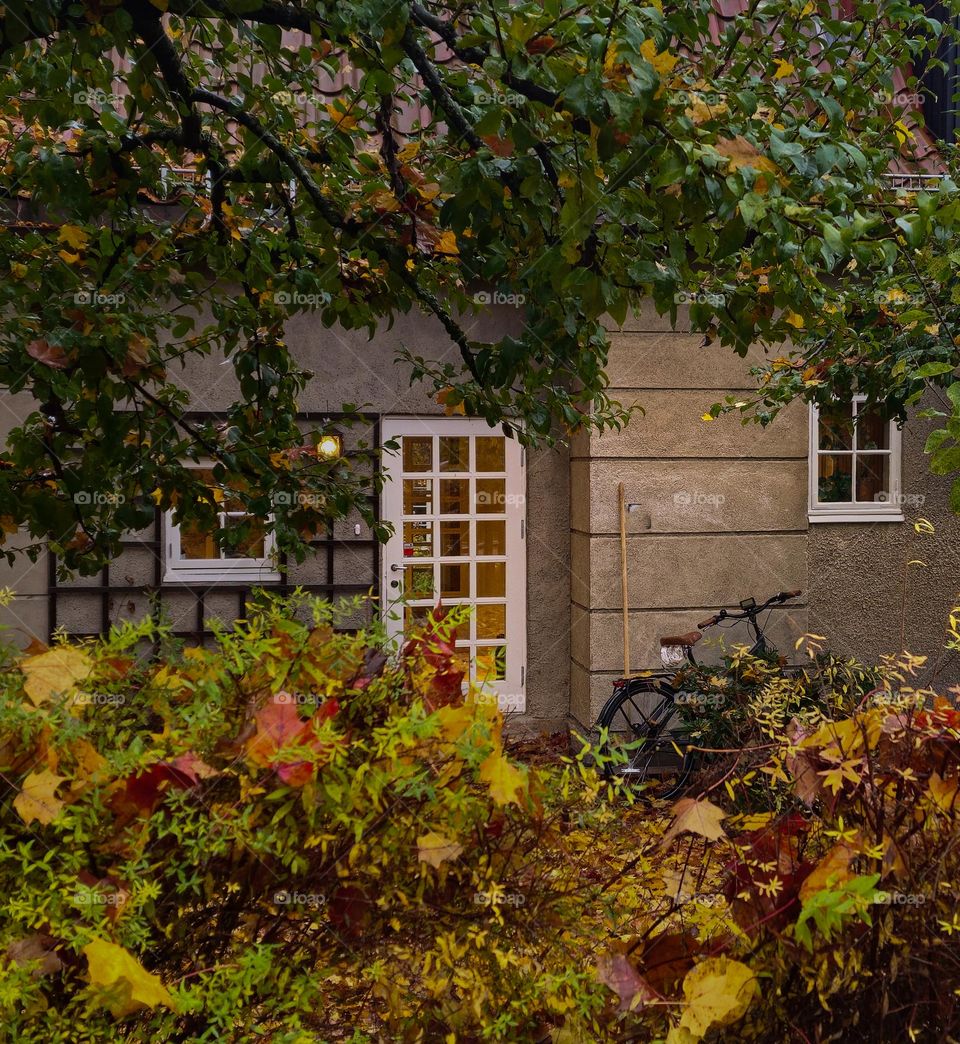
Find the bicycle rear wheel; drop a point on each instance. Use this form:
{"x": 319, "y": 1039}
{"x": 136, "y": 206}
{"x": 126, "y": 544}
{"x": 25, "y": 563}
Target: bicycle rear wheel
{"x": 645, "y": 727}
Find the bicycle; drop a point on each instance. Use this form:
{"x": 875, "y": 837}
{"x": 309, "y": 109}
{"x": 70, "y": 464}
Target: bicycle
{"x": 658, "y": 744}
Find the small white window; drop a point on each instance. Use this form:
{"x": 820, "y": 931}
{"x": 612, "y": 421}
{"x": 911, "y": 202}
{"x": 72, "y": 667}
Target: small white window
{"x": 193, "y": 554}
{"x": 854, "y": 465}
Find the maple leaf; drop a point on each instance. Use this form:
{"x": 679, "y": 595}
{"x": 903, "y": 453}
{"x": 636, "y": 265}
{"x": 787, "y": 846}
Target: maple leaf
{"x": 833, "y": 869}
{"x": 54, "y": 673}
{"x": 73, "y": 236}
{"x": 51, "y": 355}
{"x": 36, "y": 799}
{"x": 662, "y": 62}
{"x": 143, "y": 790}
{"x": 435, "y": 849}
{"x": 696, "y": 817}
{"x": 126, "y": 985}
{"x": 943, "y": 792}
{"x": 616, "y": 971}
{"x": 280, "y": 728}
{"x": 506, "y": 781}
{"x": 718, "y": 992}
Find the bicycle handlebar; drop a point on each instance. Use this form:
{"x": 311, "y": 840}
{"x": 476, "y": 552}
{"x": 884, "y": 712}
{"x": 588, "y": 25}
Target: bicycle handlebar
{"x": 783, "y": 596}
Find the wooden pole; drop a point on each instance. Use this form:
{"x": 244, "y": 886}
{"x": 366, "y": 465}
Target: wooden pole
{"x": 623, "y": 582}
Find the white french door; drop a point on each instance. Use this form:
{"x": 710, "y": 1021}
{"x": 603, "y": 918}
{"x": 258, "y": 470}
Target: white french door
{"x": 456, "y": 497}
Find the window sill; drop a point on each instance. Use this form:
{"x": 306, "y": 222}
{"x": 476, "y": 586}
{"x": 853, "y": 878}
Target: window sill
{"x": 855, "y": 516}
{"x": 214, "y": 574}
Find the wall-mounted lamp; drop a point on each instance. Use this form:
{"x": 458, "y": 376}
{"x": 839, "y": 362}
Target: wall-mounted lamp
{"x": 330, "y": 446}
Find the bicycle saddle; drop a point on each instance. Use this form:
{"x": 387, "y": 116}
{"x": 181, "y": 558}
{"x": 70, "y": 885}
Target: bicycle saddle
{"x": 690, "y": 638}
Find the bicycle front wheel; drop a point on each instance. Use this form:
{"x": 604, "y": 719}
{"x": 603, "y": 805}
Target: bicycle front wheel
{"x": 646, "y": 739}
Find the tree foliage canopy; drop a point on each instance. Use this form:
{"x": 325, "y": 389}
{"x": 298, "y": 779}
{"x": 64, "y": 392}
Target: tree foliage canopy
{"x": 364, "y": 159}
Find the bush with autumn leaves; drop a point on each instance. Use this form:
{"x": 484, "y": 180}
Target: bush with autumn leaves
{"x": 299, "y": 835}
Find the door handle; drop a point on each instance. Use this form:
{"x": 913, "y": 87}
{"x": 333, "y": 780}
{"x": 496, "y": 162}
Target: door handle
{"x": 396, "y": 568}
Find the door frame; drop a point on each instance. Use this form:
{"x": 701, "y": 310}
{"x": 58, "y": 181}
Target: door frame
{"x": 511, "y": 692}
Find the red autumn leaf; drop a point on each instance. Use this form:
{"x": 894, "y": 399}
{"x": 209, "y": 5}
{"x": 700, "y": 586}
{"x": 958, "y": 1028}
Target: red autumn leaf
{"x": 49, "y": 354}
{"x": 281, "y": 729}
{"x": 540, "y": 44}
{"x": 144, "y": 789}
{"x": 616, "y": 971}
{"x": 349, "y": 911}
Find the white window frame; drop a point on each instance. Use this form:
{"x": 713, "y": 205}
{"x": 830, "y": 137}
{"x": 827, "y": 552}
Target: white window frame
{"x": 846, "y": 511}
{"x": 178, "y": 569}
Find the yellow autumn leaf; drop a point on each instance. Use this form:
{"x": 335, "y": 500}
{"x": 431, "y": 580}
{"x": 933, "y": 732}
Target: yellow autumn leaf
{"x": 447, "y": 244}
{"x": 127, "y": 984}
{"x": 808, "y": 9}
{"x": 944, "y": 792}
{"x": 435, "y": 849}
{"x": 833, "y": 869}
{"x": 784, "y": 69}
{"x": 455, "y": 720}
{"x": 707, "y": 417}
{"x": 73, "y": 236}
{"x": 696, "y": 817}
{"x": 506, "y": 781}
{"x": 36, "y": 799}
{"x": 54, "y": 672}
{"x": 794, "y": 320}
{"x": 340, "y": 118}
{"x": 409, "y": 151}
{"x": 741, "y": 153}
{"x": 662, "y": 62}
{"x": 718, "y": 992}
{"x": 903, "y": 132}
{"x": 68, "y": 258}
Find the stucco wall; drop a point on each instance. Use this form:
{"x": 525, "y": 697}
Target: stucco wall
{"x": 347, "y": 367}
{"x": 866, "y": 597}
{"x": 720, "y": 508}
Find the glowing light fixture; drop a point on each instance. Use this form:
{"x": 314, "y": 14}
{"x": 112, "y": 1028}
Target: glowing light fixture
{"x": 330, "y": 447}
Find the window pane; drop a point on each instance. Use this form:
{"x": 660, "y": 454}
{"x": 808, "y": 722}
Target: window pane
{"x": 454, "y": 496}
{"x": 418, "y": 582}
{"x": 491, "y": 664}
{"x": 836, "y": 428}
{"x": 491, "y": 579}
{"x": 416, "y": 616}
{"x": 417, "y": 539}
{"x": 454, "y": 453}
{"x": 873, "y": 478}
{"x": 872, "y": 431}
{"x": 491, "y": 538}
{"x": 834, "y": 480}
{"x": 492, "y": 621}
{"x": 197, "y": 542}
{"x": 454, "y": 539}
{"x": 417, "y": 452}
{"x": 491, "y": 496}
{"x": 417, "y": 496}
{"x": 455, "y": 580}
{"x": 491, "y": 453}
{"x": 253, "y": 543}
